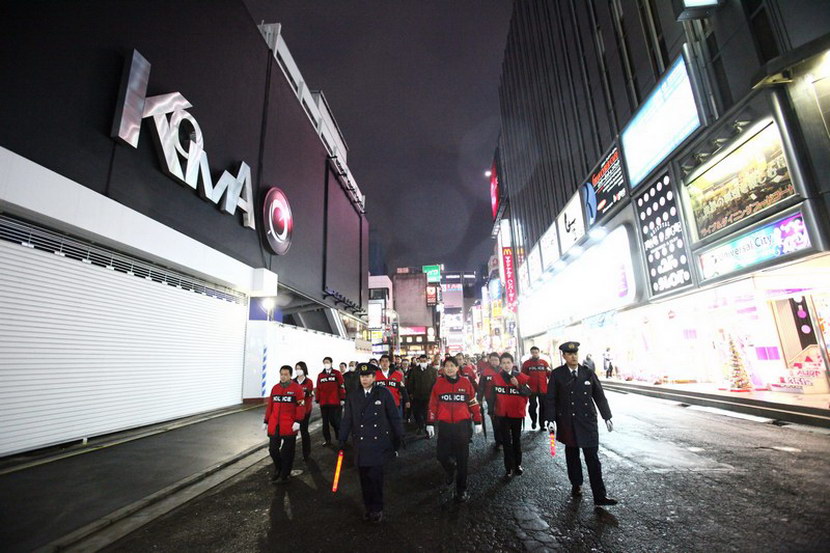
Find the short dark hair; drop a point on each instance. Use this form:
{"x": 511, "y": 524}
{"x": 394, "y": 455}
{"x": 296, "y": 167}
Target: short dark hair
{"x": 423, "y": 356}
{"x": 384, "y": 356}
{"x": 451, "y": 360}
{"x": 342, "y": 363}
{"x": 327, "y": 358}
{"x": 505, "y": 355}
{"x": 288, "y": 368}
{"x": 534, "y": 348}
{"x": 493, "y": 354}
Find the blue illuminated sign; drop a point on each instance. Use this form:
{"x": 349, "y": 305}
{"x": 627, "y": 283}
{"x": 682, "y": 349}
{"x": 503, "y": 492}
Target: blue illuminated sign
{"x": 665, "y": 119}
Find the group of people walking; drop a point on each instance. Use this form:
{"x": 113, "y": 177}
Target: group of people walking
{"x": 447, "y": 400}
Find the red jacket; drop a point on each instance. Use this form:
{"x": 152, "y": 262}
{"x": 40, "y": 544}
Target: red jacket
{"x": 453, "y": 401}
{"x": 511, "y": 401}
{"x": 330, "y": 388}
{"x": 539, "y": 371}
{"x": 485, "y": 386}
{"x": 286, "y": 405}
{"x": 470, "y": 372}
{"x": 395, "y": 383}
{"x": 308, "y": 386}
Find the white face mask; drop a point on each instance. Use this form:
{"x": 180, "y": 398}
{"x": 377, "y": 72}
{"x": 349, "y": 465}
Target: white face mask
{"x": 423, "y": 365}
{"x": 326, "y": 365}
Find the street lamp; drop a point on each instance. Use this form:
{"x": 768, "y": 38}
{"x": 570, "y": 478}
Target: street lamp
{"x": 268, "y": 306}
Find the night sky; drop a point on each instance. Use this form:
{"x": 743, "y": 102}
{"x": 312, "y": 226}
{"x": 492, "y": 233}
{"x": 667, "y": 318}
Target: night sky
{"x": 414, "y": 88}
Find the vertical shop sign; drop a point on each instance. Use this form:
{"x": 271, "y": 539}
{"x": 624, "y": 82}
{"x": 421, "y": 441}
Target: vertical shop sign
{"x": 667, "y": 254}
{"x": 509, "y": 276}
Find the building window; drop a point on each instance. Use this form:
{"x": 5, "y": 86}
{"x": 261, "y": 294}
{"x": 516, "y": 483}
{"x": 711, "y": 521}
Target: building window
{"x": 761, "y": 27}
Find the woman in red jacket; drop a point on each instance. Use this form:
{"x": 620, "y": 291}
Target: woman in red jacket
{"x": 302, "y": 379}
{"x": 283, "y": 415}
{"x": 453, "y": 404}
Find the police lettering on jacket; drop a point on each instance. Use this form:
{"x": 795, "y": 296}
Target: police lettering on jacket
{"x": 330, "y": 388}
{"x": 453, "y": 401}
{"x": 538, "y": 371}
{"x": 286, "y": 405}
{"x": 511, "y": 401}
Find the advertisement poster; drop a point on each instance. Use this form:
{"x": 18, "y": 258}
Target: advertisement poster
{"x": 750, "y": 179}
{"x": 771, "y": 241}
{"x": 570, "y": 224}
{"x": 549, "y": 247}
{"x": 806, "y": 376}
{"x": 667, "y": 254}
{"x": 605, "y": 189}
{"x": 432, "y": 294}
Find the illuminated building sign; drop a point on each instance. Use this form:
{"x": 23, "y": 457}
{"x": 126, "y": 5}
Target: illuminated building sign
{"x": 667, "y": 254}
{"x": 549, "y": 247}
{"x": 605, "y": 189}
{"x": 494, "y": 190}
{"x": 570, "y": 224}
{"x": 751, "y": 178}
{"x": 509, "y": 276}
{"x": 433, "y": 272}
{"x": 771, "y": 241}
{"x": 665, "y": 119}
{"x": 278, "y": 221}
{"x": 172, "y": 121}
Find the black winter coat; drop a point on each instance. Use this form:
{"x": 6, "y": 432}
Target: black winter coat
{"x": 375, "y": 424}
{"x": 570, "y": 403}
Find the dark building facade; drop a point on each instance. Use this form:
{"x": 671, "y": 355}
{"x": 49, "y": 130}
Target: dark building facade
{"x": 662, "y": 170}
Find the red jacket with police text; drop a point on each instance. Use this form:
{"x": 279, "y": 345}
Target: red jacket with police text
{"x": 308, "y": 386}
{"x": 511, "y": 401}
{"x": 394, "y": 382}
{"x": 330, "y": 387}
{"x": 539, "y": 371}
{"x": 485, "y": 386}
{"x": 286, "y": 405}
{"x": 453, "y": 401}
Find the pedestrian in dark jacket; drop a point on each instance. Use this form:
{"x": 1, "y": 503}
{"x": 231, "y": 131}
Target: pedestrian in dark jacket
{"x": 419, "y": 384}
{"x": 573, "y": 389}
{"x": 374, "y": 422}
{"x": 350, "y": 378}
{"x": 302, "y": 379}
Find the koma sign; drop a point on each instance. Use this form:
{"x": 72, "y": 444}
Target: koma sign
{"x": 169, "y": 111}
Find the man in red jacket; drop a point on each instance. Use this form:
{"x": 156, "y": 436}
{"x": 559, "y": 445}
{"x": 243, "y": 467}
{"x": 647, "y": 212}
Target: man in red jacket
{"x": 511, "y": 392}
{"x": 466, "y": 369}
{"x": 331, "y": 395}
{"x": 283, "y": 415}
{"x": 392, "y": 379}
{"x": 486, "y": 392}
{"x": 538, "y": 371}
{"x": 453, "y": 404}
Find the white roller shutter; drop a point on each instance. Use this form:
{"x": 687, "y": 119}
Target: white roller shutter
{"x": 86, "y": 350}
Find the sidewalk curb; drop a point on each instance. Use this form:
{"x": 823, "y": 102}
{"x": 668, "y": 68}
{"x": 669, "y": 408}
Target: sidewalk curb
{"x": 777, "y": 411}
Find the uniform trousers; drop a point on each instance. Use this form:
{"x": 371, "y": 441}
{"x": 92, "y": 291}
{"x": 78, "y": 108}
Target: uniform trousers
{"x": 371, "y": 484}
{"x": 491, "y": 410}
{"x": 281, "y": 449}
{"x": 419, "y": 412}
{"x": 454, "y": 443}
{"x": 331, "y": 416}
{"x": 534, "y": 400}
{"x": 594, "y": 468}
{"x": 306, "y": 437}
{"x": 511, "y": 437}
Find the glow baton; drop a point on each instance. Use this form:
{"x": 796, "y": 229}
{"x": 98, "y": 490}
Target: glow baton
{"x": 337, "y": 472}
{"x": 552, "y": 444}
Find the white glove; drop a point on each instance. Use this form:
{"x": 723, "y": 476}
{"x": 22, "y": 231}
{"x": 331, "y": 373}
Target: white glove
{"x": 342, "y": 403}
{"x": 551, "y": 426}
{"x": 265, "y": 426}
{"x": 477, "y": 428}
{"x": 430, "y": 431}
{"x": 609, "y": 425}
{"x": 295, "y": 427}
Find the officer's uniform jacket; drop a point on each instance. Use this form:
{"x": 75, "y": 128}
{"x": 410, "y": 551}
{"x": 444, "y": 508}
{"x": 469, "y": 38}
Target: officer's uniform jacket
{"x": 374, "y": 422}
{"x": 570, "y": 403}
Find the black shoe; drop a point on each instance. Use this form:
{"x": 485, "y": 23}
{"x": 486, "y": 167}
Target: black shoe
{"x": 605, "y": 501}
{"x": 366, "y": 515}
{"x": 533, "y": 426}
{"x": 449, "y": 477}
{"x": 282, "y": 481}
{"x": 375, "y": 518}
{"x": 497, "y": 447}
{"x": 462, "y": 496}
{"x": 325, "y": 443}
{"x": 275, "y": 477}
{"x": 519, "y": 470}
{"x": 576, "y": 491}
{"x": 508, "y": 474}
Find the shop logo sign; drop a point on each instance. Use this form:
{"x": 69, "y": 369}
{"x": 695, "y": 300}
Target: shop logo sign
{"x": 168, "y": 112}
{"x": 278, "y": 221}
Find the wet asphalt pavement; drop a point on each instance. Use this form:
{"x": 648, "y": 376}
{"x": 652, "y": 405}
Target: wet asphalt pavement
{"x": 687, "y": 480}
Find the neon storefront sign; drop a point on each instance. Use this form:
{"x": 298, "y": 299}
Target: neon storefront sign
{"x": 771, "y": 241}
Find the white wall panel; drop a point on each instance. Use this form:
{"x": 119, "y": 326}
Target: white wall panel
{"x": 85, "y": 350}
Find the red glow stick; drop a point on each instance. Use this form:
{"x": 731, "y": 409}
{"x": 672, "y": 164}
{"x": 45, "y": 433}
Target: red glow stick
{"x": 337, "y": 472}
{"x": 552, "y": 444}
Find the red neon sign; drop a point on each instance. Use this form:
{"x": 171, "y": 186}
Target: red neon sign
{"x": 509, "y": 276}
{"x": 494, "y": 190}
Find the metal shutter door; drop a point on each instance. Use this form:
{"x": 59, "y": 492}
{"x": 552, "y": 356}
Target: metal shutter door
{"x": 85, "y": 350}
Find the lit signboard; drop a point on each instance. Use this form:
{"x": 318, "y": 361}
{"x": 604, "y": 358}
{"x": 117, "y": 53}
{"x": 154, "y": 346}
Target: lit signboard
{"x": 667, "y": 254}
{"x": 524, "y": 281}
{"x": 432, "y": 294}
{"x": 509, "y": 276}
{"x": 665, "y": 119}
{"x": 549, "y": 247}
{"x": 433, "y": 272}
{"x": 494, "y": 287}
{"x": 534, "y": 264}
{"x": 771, "y": 241}
{"x": 751, "y": 178}
{"x": 604, "y": 189}
{"x": 570, "y": 224}
{"x": 494, "y": 190}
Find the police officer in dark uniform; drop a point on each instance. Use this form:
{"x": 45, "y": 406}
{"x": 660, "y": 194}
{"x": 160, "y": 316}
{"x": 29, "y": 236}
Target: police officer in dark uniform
{"x": 573, "y": 389}
{"x": 374, "y": 422}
